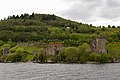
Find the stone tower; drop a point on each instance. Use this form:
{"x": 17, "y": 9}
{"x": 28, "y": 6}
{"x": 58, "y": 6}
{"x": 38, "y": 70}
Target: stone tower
{"x": 98, "y": 45}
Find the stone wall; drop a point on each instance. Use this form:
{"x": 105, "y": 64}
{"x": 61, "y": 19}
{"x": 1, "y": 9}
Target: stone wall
{"x": 52, "y": 49}
{"x": 98, "y": 45}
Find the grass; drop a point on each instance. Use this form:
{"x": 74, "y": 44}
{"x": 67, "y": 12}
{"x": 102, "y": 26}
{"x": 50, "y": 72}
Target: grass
{"x": 28, "y": 57}
{"x": 28, "y": 49}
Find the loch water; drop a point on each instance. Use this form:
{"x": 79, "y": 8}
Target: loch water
{"x": 35, "y": 71}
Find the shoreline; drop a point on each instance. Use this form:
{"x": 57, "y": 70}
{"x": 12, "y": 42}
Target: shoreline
{"x": 64, "y": 62}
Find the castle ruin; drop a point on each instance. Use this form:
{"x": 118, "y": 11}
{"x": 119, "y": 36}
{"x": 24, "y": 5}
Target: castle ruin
{"x": 52, "y": 49}
{"x": 98, "y": 45}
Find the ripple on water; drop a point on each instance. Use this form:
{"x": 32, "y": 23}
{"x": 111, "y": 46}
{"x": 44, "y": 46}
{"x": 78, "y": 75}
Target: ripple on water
{"x": 33, "y": 71}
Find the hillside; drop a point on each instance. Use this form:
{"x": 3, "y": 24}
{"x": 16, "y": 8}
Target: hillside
{"x": 37, "y": 27}
{"x": 26, "y": 34}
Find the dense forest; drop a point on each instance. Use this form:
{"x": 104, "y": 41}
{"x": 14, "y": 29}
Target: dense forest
{"x": 17, "y": 31}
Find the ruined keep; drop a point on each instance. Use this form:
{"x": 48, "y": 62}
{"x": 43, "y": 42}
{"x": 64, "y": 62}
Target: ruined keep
{"x": 52, "y": 49}
{"x": 98, "y": 45}
{"x": 5, "y": 51}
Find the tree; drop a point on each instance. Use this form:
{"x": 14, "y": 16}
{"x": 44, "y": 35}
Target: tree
{"x": 118, "y": 26}
{"x": 42, "y": 57}
{"x": 1, "y": 42}
{"x": 32, "y": 16}
{"x": 113, "y": 27}
{"x": 105, "y": 57}
{"x": 14, "y": 17}
{"x": 22, "y": 16}
{"x": 71, "y": 54}
{"x": 109, "y": 26}
{"x": 114, "y": 50}
{"x": 68, "y": 54}
{"x": 17, "y": 17}
{"x": 15, "y": 57}
{"x": 95, "y": 57}
{"x": 83, "y": 52}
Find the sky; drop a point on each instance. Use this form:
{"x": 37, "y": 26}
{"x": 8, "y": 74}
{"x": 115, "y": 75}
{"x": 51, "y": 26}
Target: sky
{"x": 96, "y": 12}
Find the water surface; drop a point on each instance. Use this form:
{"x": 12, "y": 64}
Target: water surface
{"x": 34, "y": 71}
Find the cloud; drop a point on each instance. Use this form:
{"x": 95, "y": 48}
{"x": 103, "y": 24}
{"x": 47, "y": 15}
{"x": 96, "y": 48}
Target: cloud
{"x": 111, "y": 10}
{"x": 82, "y": 9}
{"x": 91, "y": 11}
{"x": 17, "y": 7}
{"x": 100, "y": 12}
{"x": 113, "y": 3}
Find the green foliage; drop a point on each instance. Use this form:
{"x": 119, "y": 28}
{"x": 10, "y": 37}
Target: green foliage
{"x": 114, "y": 50}
{"x": 27, "y": 57}
{"x": 84, "y": 51}
{"x": 100, "y": 57}
{"x": 15, "y": 57}
{"x": 71, "y": 54}
{"x": 105, "y": 57}
{"x": 6, "y": 45}
{"x": 29, "y": 49}
{"x": 95, "y": 57}
{"x": 1, "y": 42}
{"x": 84, "y": 29}
{"x": 74, "y": 54}
{"x": 46, "y": 28}
{"x": 40, "y": 58}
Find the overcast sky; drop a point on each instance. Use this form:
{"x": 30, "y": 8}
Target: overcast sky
{"x": 96, "y": 12}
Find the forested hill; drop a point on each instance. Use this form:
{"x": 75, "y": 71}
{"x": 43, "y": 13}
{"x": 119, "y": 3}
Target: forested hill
{"x": 40, "y": 27}
{"x": 47, "y": 28}
{"x": 23, "y": 38}
{"x": 39, "y": 20}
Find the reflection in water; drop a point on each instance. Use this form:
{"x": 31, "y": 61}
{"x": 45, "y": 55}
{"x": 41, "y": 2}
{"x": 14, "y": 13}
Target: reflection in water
{"x": 33, "y": 71}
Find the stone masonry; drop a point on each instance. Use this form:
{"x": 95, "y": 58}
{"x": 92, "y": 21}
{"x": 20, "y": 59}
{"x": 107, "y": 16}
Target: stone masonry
{"x": 52, "y": 49}
{"x": 98, "y": 45}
